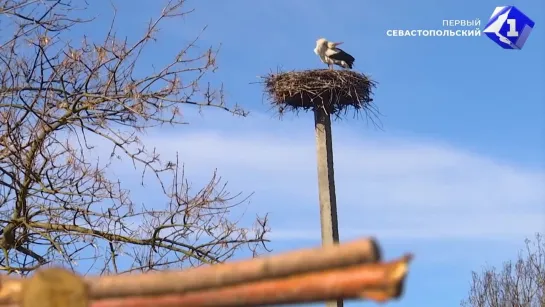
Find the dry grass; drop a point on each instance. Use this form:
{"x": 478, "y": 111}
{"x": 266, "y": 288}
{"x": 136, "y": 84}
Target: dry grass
{"x": 336, "y": 91}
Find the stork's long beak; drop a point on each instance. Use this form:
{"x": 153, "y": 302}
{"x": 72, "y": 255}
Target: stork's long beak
{"x": 337, "y": 44}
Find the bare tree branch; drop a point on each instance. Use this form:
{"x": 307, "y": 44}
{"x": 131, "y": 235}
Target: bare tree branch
{"x": 517, "y": 284}
{"x": 58, "y": 204}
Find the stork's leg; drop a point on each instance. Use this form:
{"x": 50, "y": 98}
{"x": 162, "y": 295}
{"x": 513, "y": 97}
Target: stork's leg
{"x": 330, "y": 66}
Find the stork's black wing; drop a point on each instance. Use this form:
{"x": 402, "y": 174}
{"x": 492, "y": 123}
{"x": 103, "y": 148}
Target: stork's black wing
{"x": 341, "y": 55}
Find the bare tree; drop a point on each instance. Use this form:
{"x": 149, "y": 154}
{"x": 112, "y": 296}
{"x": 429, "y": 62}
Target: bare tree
{"x": 59, "y": 205}
{"x": 518, "y": 284}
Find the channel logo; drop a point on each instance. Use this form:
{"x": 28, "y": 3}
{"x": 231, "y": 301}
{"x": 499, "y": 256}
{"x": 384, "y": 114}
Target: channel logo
{"x": 509, "y": 27}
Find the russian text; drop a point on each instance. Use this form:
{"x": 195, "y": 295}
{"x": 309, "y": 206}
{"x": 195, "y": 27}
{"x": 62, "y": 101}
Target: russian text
{"x": 461, "y": 23}
{"x": 476, "y": 32}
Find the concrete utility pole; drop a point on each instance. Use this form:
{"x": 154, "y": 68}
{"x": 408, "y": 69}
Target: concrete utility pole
{"x": 326, "y": 92}
{"x": 326, "y": 182}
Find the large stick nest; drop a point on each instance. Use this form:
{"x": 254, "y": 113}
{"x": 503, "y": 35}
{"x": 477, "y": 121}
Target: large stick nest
{"x": 335, "y": 91}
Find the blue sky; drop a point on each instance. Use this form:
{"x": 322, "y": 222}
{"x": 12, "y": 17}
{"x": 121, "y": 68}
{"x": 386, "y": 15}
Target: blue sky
{"x": 457, "y": 174}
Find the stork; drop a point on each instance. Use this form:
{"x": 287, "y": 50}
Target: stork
{"x": 330, "y": 54}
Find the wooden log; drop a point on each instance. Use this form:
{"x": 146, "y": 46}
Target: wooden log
{"x": 379, "y": 282}
{"x": 221, "y": 275}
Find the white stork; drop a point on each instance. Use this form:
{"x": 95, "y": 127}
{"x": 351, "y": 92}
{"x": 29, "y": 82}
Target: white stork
{"x": 330, "y": 54}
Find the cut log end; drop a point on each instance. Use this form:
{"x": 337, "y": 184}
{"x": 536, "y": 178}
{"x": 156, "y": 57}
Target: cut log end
{"x": 395, "y": 282}
{"x": 376, "y": 253}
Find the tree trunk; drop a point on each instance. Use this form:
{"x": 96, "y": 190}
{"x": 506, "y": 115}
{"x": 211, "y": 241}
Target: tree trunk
{"x": 326, "y": 183}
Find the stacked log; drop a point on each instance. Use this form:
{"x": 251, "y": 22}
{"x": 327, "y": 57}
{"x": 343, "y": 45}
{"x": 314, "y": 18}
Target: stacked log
{"x": 346, "y": 271}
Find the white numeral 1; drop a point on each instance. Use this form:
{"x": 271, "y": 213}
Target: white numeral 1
{"x": 512, "y": 28}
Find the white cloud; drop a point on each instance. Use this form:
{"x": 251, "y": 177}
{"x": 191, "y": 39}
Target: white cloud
{"x": 386, "y": 186}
